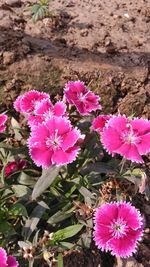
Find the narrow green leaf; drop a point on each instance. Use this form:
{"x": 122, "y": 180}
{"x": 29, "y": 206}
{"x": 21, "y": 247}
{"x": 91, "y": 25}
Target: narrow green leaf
{"x": 67, "y": 232}
{"x": 45, "y": 181}
{"x": 58, "y": 217}
{"x": 60, "y": 260}
{"x": 35, "y": 217}
{"x": 66, "y": 245}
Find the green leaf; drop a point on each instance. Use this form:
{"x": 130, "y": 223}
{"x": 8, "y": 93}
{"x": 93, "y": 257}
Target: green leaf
{"x": 59, "y": 217}
{"x": 97, "y": 167}
{"x": 45, "y": 181}
{"x": 25, "y": 179}
{"x": 6, "y": 228}
{"x": 60, "y": 260}
{"x": 39, "y": 11}
{"x": 35, "y": 217}
{"x": 16, "y": 128}
{"x": 18, "y": 210}
{"x": 21, "y": 190}
{"x": 66, "y": 245}
{"x": 67, "y": 232}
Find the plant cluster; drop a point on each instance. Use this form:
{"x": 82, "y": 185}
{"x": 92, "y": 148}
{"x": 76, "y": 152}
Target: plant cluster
{"x": 63, "y": 166}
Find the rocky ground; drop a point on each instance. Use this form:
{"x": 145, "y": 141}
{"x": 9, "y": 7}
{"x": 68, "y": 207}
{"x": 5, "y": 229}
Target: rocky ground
{"x": 104, "y": 43}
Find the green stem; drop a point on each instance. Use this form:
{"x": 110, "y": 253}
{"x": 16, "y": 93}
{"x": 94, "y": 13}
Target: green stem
{"x": 31, "y": 263}
{"x": 122, "y": 165}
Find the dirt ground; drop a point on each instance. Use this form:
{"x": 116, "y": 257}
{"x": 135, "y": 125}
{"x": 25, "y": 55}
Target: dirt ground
{"x": 104, "y": 43}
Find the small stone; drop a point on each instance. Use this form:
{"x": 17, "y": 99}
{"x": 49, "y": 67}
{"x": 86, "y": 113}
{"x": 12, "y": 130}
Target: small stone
{"x": 84, "y": 32}
{"x": 13, "y": 3}
{"x": 8, "y": 58}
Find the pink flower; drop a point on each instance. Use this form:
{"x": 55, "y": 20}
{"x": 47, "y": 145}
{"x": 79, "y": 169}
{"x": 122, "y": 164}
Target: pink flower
{"x": 99, "y": 122}
{"x": 118, "y": 228}
{"x": 3, "y": 119}
{"x": 15, "y": 166}
{"x": 17, "y": 103}
{"x": 26, "y": 103}
{"x": 7, "y": 261}
{"x": 127, "y": 137}
{"x": 44, "y": 110}
{"x": 54, "y": 142}
{"x": 78, "y": 94}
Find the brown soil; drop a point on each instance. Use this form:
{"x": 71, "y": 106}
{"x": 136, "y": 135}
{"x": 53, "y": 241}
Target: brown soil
{"x": 104, "y": 43}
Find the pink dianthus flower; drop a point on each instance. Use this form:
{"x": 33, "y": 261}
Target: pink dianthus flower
{"x": 127, "y": 137}
{"x": 14, "y": 166}
{"x": 79, "y": 95}
{"x": 54, "y": 142}
{"x": 26, "y": 103}
{"x": 99, "y": 122}
{"x": 118, "y": 228}
{"x": 7, "y": 261}
{"x": 3, "y": 119}
{"x": 45, "y": 110}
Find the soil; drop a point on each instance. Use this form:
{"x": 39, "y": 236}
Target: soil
{"x": 104, "y": 43}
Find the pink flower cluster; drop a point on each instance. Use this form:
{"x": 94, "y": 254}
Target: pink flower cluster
{"x": 118, "y": 228}
{"x": 3, "y": 119}
{"x": 128, "y": 137}
{"x": 53, "y": 140}
{"x": 76, "y": 93}
{"x": 7, "y": 261}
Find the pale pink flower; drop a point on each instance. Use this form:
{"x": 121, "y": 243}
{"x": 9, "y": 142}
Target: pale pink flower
{"x": 99, "y": 122}
{"x": 54, "y": 142}
{"x": 45, "y": 110}
{"x": 79, "y": 95}
{"x": 3, "y": 119}
{"x": 127, "y": 137}
{"x": 7, "y": 261}
{"x": 118, "y": 228}
{"x": 26, "y": 103}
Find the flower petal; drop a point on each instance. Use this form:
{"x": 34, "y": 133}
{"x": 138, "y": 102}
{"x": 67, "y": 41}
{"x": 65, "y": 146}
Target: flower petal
{"x": 61, "y": 157}
{"x": 59, "y": 109}
{"x": 41, "y": 157}
{"x": 111, "y": 139}
{"x": 130, "y": 152}
{"x": 144, "y": 145}
{"x": 3, "y": 258}
{"x": 125, "y": 246}
{"x": 130, "y": 214}
{"x": 11, "y": 261}
{"x": 70, "y": 139}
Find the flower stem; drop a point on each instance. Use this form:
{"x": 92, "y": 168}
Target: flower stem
{"x": 31, "y": 263}
{"x": 122, "y": 165}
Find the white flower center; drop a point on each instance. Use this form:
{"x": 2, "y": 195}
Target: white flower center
{"x": 118, "y": 228}
{"x": 130, "y": 136}
{"x": 48, "y": 114}
{"x": 54, "y": 141}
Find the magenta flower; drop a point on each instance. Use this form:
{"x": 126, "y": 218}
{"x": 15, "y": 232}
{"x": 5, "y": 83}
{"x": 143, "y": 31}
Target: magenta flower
{"x": 54, "y": 142}
{"x": 17, "y": 103}
{"x": 3, "y": 119}
{"x": 99, "y": 123}
{"x": 118, "y": 228}
{"x": 26, "y": 103}
{"x": 7, "y": 261}
{"x": 45, "y": 110}
{"x": 127, "y": 137}
{"x": 14, "y": 166}
{"x": 79, "y": 95}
